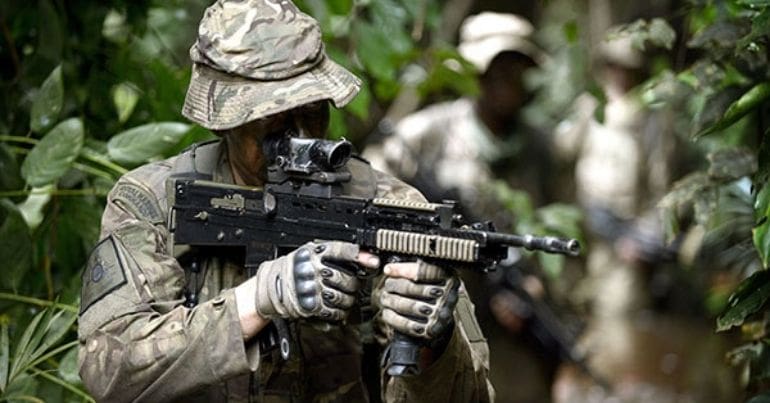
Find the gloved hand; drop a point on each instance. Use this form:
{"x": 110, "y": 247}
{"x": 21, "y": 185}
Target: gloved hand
{"x": 316, "y": 280}
{"x": 418, "y": 299}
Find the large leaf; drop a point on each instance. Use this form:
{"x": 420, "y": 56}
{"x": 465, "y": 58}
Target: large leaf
{"x": 16, "y": 246}
{"x": 761, "y": 235}
{"x": 391, "y": 18}
{"x": 740, "y": 108}
{"x": 48, "y": 102}
{"x": 144, "y": 143}
{"x": 749, "y": 298}
{"x": 68, "y": 367}
{"x": 53, "y": 156}
{"x": 374, "y": 50}
{"x": 40, "y": 337}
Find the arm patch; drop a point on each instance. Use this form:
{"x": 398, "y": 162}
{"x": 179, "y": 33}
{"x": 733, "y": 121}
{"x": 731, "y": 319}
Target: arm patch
{"x": 139, "y": 201}
{"x": 104, "y": 273}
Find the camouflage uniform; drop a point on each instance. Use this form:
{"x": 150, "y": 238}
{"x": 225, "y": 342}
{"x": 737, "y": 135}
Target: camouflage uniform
{"x": 139, "y": 342}
{"x": 446, "y": 151}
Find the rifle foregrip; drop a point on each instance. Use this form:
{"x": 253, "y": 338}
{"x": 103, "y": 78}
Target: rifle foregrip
{"x": 402, "y": 355}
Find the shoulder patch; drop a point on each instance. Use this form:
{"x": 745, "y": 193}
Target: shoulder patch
{"x": 138, "y": 200}
{"x": 104, "y": 273}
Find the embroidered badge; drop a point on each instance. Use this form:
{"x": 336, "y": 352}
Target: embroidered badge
{"x": 104, "y": 273}
{"x": 139, "y": 201}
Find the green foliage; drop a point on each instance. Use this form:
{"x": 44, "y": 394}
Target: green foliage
{"x": 53, "y": 156}
{"x": 48, "y": 102}
{"x": 144, "y": 143}
{"x": 556, "y": 219}
{"x": 729, "y": 87}
{"x": 655, "y": 32}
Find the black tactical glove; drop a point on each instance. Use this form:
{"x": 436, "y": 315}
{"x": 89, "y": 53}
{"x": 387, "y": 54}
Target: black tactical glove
{"x": 422, "y": 307}
{"x": 316, "y": 280}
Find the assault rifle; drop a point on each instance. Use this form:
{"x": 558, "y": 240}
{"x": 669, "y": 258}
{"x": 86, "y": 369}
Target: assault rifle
{"x": 303, "y": 200}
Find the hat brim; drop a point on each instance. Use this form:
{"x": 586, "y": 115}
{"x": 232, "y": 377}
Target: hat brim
{"x": 219, "y": 101}
{"x": 483, "y": 51}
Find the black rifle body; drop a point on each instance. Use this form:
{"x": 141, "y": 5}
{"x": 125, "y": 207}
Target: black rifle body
{"x": 303, "y": 201}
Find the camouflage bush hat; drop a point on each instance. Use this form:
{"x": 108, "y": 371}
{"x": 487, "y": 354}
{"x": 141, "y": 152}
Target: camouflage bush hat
{"x": 255, "y": 58}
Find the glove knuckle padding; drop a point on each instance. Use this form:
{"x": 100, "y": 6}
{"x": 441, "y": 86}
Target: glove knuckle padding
{"x": 302, "y": 284}
{"x": 305, "y": 282}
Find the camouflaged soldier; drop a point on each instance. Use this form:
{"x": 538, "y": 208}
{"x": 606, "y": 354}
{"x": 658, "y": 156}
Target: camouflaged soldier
{"x": 259, "y": 69}
{"x": 455, "y": 149}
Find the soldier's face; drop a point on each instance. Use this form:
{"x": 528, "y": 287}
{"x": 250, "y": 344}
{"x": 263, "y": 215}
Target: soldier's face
{"x": 309, "y": 120}
{"x": 502, "y": 84}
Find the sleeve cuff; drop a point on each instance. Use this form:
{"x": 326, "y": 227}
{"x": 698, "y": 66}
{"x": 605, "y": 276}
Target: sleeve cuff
{"x": 232, "y": 355}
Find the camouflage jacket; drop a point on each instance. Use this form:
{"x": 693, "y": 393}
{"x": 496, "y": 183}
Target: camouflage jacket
{"x": 447, "y": 152}
{"x": 138, "y": 342}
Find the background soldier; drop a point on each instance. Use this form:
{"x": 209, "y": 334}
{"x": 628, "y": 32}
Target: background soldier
{"x": 457, "y": 150}
{"x": 454, "y": 149}
{"x": 259, "y": 70}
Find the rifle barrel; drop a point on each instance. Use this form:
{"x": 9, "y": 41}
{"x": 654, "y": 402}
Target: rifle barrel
{"x": 531, "y": 242}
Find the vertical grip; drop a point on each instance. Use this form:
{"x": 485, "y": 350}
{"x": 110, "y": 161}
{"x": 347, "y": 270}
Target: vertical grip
{"x": 402, "y": 355}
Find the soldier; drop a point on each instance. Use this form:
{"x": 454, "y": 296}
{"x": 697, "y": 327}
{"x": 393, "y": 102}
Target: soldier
{"x": 457, "y": 150}
{"x": 259, "y": 70}
{"x": 454, "y": 149}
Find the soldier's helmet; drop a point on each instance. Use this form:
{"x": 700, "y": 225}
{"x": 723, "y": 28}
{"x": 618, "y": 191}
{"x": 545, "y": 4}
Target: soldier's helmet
{"x": 255, "y": 58}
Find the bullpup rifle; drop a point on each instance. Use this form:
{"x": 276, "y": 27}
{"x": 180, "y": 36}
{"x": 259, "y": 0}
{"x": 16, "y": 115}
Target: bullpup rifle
{"x": 303, "y": 201}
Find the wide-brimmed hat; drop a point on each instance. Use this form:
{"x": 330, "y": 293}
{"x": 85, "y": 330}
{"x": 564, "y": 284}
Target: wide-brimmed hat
{"x": 485, "y": 35}
{"x": 255, "y": 58}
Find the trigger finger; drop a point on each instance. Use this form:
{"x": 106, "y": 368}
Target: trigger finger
{"x": 340, "y": 280}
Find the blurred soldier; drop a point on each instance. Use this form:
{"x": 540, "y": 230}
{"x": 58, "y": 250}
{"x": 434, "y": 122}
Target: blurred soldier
{"x": 457, "y": 150}
{"x": 259, "y": 70}
{"x": 623, "y": 166}
{"x": 453, "y": 150}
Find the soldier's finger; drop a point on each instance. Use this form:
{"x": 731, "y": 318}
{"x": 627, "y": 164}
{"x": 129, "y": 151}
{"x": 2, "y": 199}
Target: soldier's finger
{"x": 337, "y": 299}
{"x": 406, "y": 306}
{"x": 332, "y": 314}
{"x": 409, "y": 288}
{"x": 337, "y": 250}
{"x": 403, "y": 324}
{"x": 417, "y": 271}
{"x": 368, "y": 260}
{"x": 406, "y": 270}
{"x": 339, "y": 278}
